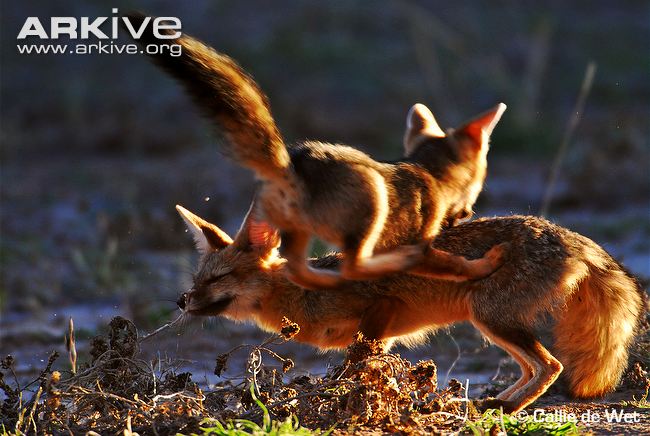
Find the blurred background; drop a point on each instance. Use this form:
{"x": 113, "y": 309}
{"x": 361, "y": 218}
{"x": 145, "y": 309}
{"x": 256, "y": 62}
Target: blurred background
{"x": 97, "y": 149}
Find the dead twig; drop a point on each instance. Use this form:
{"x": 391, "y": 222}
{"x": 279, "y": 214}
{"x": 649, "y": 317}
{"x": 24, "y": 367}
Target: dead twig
{"x": 70, "y": 345}
{"x": 160, "y": 329}
{"x": 576, "y": 115}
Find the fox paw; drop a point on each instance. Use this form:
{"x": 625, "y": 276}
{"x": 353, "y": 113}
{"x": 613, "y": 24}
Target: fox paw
{"x": 490, "y": 262}
{"x": 494, "y": 403}
{"x": 498, "y": 255}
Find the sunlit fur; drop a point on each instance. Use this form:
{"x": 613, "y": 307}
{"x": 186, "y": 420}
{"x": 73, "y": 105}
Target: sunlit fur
{"x": 332, "y": 191}
{"x": 551, "y": 273}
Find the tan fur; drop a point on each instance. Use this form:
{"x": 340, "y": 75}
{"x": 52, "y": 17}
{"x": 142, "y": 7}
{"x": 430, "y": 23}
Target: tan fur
{"x": 365, "y": 207}
{"x": 602, "y": 297}
{"x": 551, "y": 272}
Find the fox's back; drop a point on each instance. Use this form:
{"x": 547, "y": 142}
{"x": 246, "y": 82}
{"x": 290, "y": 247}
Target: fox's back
{"x": 544, "y": 266}
{"x": 542, "y": 259}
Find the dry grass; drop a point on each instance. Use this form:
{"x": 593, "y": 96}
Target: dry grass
{"x": 118, "y": 390}
{"x": 371, "y": 392}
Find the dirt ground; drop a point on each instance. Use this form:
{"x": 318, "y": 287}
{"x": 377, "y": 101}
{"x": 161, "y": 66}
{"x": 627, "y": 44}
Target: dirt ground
{"x": 125, "y": 382}
{"x": 33, "y": 323}
{"x": 97, "y": 150}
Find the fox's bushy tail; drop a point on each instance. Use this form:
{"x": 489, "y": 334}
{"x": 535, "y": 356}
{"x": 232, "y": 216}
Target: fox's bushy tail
{"x": 595, "y": 332}
{"x": 225, "y": 93}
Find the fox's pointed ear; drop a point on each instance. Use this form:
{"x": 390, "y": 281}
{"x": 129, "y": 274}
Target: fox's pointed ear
{"x": 420, "y": 121}
{"x": 207, "y": 236}
{"x": 480, "y": 128}
{"x": 257, "y": 234}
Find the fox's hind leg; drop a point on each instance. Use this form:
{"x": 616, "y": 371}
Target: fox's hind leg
{"x": 358, "y": 267}
{"x": 438, "y": 264}
{"x": 294, "y": 249}
{"x": 423, "y": 261}
{"x": 525, "y": 366}
{"x": 539, "y": 368}
{"x": 546, "y": 370}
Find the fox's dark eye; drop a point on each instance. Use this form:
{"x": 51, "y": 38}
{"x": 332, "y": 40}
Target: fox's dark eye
{"x": 215, "y": 279}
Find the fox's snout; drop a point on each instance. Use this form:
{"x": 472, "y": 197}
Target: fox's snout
{"x": 182, "y": 301}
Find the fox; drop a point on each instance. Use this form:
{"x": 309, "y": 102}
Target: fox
{"x": 550, "y": 273}
{"x": 382, "y": 215}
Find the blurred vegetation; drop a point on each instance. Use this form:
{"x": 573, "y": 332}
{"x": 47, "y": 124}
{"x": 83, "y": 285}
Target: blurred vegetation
{"x": 340, "y": 71}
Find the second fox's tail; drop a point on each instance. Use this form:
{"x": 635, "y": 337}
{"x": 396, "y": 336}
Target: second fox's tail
{"x": 596, "y": 330}
{"x": 225, "y": 93}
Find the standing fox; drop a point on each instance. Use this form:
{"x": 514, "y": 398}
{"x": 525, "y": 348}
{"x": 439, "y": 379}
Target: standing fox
{"x": 551, "y": 271}
{"x": 382, "y": 215}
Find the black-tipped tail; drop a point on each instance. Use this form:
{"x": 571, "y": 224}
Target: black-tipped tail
{"x": 224, "y": 92}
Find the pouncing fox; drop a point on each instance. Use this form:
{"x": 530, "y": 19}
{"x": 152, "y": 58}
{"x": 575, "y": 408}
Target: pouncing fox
{"x": 382, "y": 215}
{"x": 551, "y": 272}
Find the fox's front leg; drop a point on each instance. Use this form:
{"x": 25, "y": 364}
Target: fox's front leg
{"x": 376, "y": 324}
{"x": 439, "y": 264}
